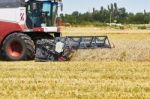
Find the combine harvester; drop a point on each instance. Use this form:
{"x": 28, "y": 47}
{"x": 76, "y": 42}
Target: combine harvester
{"x": 31, "y": 29}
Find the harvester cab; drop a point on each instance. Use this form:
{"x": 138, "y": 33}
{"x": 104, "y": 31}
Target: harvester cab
{"x": 41, "y": 13}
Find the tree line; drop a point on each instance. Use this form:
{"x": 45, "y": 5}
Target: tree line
{"x": 111, "y": 14}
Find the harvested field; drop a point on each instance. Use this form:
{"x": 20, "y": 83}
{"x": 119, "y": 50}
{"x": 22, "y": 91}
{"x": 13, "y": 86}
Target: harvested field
{"x": 96, "y": 30}
{"x": 98, "y": 80}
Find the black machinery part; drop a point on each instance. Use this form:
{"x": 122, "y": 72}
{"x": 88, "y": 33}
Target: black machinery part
{"x": 45, "y": 50}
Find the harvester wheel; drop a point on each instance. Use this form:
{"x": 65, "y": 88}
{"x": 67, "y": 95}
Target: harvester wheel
{"x": 18, "y": 46}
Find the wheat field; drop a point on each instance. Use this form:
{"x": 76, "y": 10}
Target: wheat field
{"x": 75, "y": 80}
{"x": 119, "y": 73}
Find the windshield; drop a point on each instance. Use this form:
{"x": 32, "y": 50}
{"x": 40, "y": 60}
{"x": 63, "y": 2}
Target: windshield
{"x": 41, "y": 14}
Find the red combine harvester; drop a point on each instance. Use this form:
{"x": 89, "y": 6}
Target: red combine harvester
{"x": 24, "y": 22}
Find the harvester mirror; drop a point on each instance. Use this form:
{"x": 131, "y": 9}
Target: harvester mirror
{"x": 61, "y": 6}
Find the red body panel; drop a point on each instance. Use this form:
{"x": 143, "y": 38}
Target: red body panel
{"x": 38, "y": 29}
{"x": 8, "y": 27}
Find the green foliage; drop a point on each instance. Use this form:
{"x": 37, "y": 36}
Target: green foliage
{"x": 111, "y": 14}
{"x": 142, "y": 27}
{"x": 98, "y": 24}
{"x": 122, "y": 27}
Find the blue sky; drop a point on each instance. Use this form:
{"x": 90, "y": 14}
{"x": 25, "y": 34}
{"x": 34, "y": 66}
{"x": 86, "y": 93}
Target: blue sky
{"x": 87, "y": 5}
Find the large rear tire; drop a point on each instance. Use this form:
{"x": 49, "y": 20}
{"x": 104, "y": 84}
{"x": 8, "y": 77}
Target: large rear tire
{"x": 18, "y": 46}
